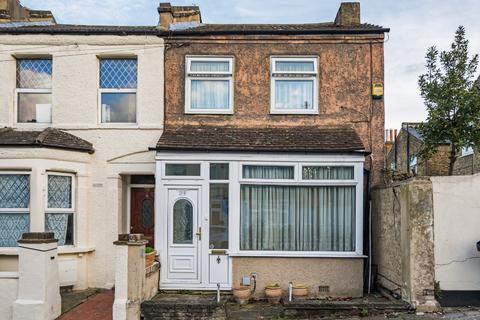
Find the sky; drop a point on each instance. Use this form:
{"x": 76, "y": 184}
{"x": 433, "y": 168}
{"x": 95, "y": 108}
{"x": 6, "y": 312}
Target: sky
{"x": 415, "y": 25}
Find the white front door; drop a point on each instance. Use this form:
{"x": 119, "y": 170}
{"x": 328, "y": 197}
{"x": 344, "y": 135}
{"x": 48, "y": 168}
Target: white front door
{"x": 184, "y": 235}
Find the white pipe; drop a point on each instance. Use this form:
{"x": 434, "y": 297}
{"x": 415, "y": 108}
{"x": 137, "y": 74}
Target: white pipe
{"x": 290, "y": 291}
{"x": 218, "y": 292}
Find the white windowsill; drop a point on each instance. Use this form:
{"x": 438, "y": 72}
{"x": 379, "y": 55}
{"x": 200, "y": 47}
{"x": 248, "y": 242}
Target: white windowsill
{"x": 297, "y": 254}
{"x": 8, "y": 275}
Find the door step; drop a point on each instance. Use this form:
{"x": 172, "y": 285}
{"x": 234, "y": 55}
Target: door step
{"x": 184, "y": 306}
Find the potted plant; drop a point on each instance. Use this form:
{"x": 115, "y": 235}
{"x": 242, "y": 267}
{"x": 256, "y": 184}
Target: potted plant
{"x": 299, "y": 291}
{"x": 242, "y": 294}
{"x": 273, "y": 292}
{"x": 149, "y": 256}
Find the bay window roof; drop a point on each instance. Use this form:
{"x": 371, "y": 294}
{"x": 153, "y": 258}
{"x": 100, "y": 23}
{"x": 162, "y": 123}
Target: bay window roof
{"x": 268, "y": 139}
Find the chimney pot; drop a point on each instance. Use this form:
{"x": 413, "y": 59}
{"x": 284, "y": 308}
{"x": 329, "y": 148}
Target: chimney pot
{"x": 348, "y": 14}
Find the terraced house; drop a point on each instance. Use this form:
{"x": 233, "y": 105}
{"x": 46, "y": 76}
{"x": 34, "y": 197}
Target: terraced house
{"x": 235, "y": 149}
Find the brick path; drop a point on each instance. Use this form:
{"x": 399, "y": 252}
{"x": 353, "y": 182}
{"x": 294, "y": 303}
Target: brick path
{"x": 98, "y": 307}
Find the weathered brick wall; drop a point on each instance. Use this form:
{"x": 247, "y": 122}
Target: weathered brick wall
{"x": 467, "y": 165}
{"x": 347, "y": 68}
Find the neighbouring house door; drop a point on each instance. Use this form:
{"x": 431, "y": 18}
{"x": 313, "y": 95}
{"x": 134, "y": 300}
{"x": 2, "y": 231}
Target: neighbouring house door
{"x": 142, "y": 213}
{"x": 184, "y": 236}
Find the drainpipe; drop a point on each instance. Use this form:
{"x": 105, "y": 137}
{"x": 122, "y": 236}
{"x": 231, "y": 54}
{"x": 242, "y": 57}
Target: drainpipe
{"x": 218, "y": 292}
{"x": 290, "y": 291}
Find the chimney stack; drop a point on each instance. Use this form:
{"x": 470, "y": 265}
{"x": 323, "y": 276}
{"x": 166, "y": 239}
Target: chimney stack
{"x": 13, "y": 11}
{"x": 170, "y": 15}
{"x": 348, "y": 14}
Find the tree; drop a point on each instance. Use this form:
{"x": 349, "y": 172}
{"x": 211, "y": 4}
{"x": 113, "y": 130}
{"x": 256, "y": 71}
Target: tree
{"x": 452, "y": 99}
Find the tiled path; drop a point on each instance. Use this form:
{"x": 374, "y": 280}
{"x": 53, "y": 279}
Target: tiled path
{"x": 97, "y": 307}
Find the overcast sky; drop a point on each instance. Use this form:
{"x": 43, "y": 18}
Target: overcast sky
{"x": 415, "y": 25}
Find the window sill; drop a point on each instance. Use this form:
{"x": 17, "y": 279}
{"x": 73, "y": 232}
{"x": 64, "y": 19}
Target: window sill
{"x": 278, "y": 254}
{"x": 8, "y": 275}
{"x": 209, "y": 112}
{"x": 13, "y": 251}
{"x": 294, "y": 112}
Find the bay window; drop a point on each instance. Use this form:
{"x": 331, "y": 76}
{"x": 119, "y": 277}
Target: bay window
{"x": 118, "y": 90}
{"x": 14, "y": 207}
{"x": 59, "y": 213}
{"x": 34, "y": 91}
{"x": 209, "y": 85}
{"x": 294, "y": 85}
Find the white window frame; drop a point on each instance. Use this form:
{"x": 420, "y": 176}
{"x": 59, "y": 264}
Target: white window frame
{"x": 337, "y": 181}
{"x": 208, "y": 75}
{"x": 19, "y": 210}
{"x": 63, "y": 210}
{"x": 115, "y": 90}
{"x": 294, "y": 165}
{"x": 167, "y": 177}
{"x": 288, "y": 75}
{"x": 28, "y": 90}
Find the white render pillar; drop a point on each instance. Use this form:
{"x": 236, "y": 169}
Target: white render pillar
{"x": 129, "y": 276}
{"x": 38, "y": 283}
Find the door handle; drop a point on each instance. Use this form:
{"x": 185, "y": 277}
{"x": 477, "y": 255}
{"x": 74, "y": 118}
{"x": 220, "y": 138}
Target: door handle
{"x": 199, "y": 233}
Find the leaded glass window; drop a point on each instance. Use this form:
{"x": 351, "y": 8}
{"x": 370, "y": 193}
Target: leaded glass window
{"x": 118, "y": 90}
{"x": 14, "y": 207}
{"x": 59, "y": 216}
{"x": 34, "y": 90}
{"x": 182, "y": 222}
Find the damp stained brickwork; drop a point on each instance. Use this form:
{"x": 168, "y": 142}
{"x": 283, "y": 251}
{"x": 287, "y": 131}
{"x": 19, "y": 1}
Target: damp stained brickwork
{"x": 348, "y": 66}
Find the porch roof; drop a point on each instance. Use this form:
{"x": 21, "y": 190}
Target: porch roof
{"x": 266, "y": 139}
{"x": 49, "y": 137}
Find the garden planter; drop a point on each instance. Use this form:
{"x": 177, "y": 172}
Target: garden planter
{"x": 273, "y": 293}
{"x": 242, "y": 294}
{"x": 150, "y": 258}
{"x": 299, "y": 291}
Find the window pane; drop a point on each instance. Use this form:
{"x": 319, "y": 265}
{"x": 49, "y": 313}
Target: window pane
{"x": 209, "y": 66}
{"x": 59, "y": 191}
{"x": 142, "y": 179}
{"x": 327, "y": 173}
{"x": 182, "y": 222}
{"x": 61, "y": 224}
{"x": 210, "y": 94}
{"x": 14, "y": 191}
{"x": 294, "y": 66}
{"x": 267, "y": 172}
{"x": 118, "y": 73}
{"x": 119, "y": 107}
{"x": 294, "y": 94}
{"x": 297, "y": 218}
{"x": 35, "y": 107}
{"x": 219, "y": 171}
{"x": 218, "y": 216}
{"x": 34, "y": 73}
{"x": 12, "y": 226}
{"x": 182, "y": 169}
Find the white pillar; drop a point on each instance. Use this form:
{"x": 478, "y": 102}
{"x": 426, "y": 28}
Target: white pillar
{"x": 129, "y": 276}
{"x": 38, "y": 284}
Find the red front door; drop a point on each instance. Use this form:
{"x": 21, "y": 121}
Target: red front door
{"x": 142, "y": 218}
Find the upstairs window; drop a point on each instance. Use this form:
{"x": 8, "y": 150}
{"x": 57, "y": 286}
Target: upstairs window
{"x": 34, "y": 91}
{"x": 118, "y": 90}
{"x": 466, "y": 151}
{"x": 294, "y": 85}
{"x": 209, "y": 85}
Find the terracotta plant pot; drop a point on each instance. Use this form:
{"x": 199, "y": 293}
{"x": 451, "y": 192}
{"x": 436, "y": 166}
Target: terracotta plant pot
{"x": 150, "y": 258}
{"x": 273, "y": 294}
{"x": 242, "y": 294}
{"x": 300, "y": 291}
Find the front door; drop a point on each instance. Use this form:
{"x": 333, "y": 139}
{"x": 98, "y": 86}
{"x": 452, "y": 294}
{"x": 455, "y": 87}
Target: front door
{"x": 143, "y": 213}
{"x": 184, "y": 236}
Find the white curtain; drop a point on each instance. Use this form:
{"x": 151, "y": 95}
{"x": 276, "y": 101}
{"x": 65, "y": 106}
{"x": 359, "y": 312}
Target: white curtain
{"x": 297, "y": 218}
{"x": 327, "y": 173}
{"x": 267, "y": 172}
{"x": 210, "y": 94}
{"x": 294, "y": 94}
{"x": 294, "y": 66}
{"x": 209, "y": 66}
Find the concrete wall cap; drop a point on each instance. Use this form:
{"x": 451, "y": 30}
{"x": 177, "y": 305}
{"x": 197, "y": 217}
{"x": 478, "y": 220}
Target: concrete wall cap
{"x": 38, "y": 237}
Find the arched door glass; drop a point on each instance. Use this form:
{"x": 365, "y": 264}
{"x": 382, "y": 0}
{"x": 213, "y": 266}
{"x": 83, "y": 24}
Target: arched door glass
{"x": 182, "y": 222}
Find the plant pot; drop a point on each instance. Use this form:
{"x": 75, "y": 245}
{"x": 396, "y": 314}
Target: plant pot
{"x": 300, "y": 292}
{"x": 273, "y": 294}
{"x": 242, "y": 294}
{"x": 150, "y": 258}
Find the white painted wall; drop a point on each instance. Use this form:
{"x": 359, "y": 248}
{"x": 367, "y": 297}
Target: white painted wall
{"x": 119, "y": 149}
{"x": 457, "y": 230}
{"x": 8, "y": 293}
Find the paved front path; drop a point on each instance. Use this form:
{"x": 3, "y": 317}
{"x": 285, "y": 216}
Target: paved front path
{"x": 98, "y": 307}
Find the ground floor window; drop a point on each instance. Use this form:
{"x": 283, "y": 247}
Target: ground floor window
{"x": 14, "y": 207}
{"x": 297, "y": 218}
